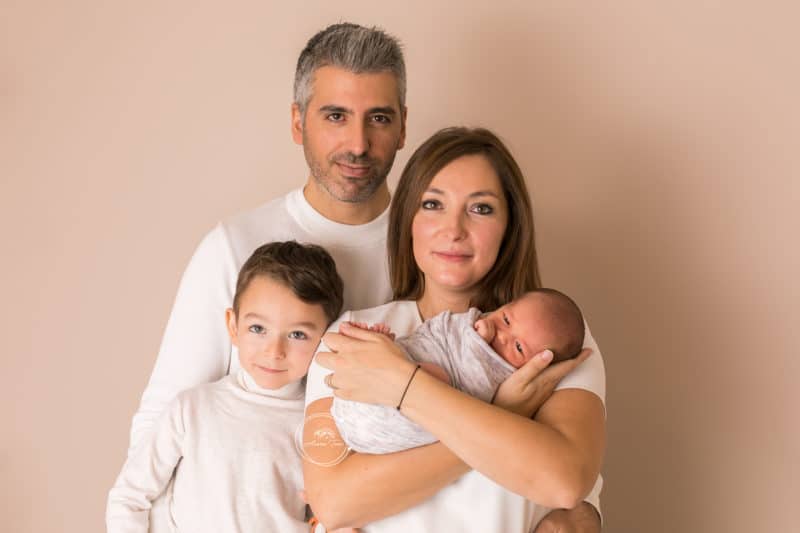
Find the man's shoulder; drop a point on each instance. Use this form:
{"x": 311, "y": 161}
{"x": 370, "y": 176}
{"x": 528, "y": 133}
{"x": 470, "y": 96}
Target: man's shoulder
{"x": 273, "y": 210}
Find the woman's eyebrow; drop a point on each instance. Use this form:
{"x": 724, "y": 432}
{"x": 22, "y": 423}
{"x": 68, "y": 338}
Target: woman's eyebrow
{"x": 470, "y": 195}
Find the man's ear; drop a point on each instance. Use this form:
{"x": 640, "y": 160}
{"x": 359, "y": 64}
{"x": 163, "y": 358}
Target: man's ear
{"x": 403, "y": 129}
{"x": 230, "y": 323}
{"x": 297, "y": 124}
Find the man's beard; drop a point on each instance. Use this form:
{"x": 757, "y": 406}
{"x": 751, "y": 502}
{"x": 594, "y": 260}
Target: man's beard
{"x": 365, "y": 186}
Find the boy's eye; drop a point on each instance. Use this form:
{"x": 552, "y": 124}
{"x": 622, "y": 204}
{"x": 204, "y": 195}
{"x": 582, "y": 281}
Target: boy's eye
{"x": 482, "y": 209}
{"x": 255, "y": 328}
{"x": 298, "y": 335}
{"x": 431, "y": 204}
{"x": 518, "y": 345}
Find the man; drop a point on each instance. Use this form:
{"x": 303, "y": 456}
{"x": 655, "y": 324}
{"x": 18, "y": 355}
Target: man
{"x": 349, "y": 115}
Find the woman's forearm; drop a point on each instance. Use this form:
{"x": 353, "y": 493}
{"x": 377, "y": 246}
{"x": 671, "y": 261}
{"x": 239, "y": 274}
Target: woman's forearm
{"x": 552, "y": 460}
{"x": 364, "y": 488}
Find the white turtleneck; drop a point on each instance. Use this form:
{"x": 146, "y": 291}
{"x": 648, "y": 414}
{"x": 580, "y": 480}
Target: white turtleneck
{"x": 230, "y": 445}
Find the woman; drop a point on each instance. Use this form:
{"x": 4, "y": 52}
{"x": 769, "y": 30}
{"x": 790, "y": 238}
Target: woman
{"x": 461, "y": 235}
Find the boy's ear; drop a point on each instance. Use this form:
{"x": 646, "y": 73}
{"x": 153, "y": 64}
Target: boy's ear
{"x": 230, "y": 323}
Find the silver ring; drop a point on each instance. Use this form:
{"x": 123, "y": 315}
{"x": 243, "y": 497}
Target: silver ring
{"x": 329, "y": 382}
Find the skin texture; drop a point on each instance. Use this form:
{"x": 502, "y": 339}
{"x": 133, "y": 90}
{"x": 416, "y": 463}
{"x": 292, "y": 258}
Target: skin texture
{"x": 276, "y": 332}
{"x": 350, "y": 134}
{"x": 562, "y": 446}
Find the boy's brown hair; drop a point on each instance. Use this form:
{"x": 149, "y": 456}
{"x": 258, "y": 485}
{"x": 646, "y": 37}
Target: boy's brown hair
{"x": 307, "y": 269}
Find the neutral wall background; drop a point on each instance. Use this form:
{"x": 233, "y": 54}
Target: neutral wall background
{"x": 659, "y": 140}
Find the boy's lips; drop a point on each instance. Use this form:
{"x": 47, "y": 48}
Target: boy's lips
{"x": 269, "y": 370}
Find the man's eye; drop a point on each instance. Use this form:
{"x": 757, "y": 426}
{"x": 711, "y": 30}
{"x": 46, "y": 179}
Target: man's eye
{"x": 518, "y": 345}
{"x": 482, "y": 209}
{"x": 298, "y": 335}
{"x": 381, "y": 119}
{"x": 430, "y": 204}
{"x": 335, "y": 117}
{"x": 255, "y": 328}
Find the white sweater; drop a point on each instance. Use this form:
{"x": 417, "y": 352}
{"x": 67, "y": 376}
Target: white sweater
{"x": 231, "y": 447}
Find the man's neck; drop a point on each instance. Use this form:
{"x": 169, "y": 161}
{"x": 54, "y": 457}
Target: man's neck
{"x": 352, "y": 213}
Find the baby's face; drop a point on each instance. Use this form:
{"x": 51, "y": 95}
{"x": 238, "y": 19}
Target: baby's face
{"x": 517, "y": 330}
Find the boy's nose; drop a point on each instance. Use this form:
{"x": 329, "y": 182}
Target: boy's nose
{"x": 275, "y": 349}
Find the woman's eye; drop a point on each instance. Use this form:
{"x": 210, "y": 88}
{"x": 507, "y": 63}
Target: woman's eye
{"x": 430, "y": 204}
{"x": 298, "y": 335}
{"x": 518, "y": 345}
{"x": 505, "y": 319}
{"x": 482, "y": 209}
{"x": 255, "y": 328}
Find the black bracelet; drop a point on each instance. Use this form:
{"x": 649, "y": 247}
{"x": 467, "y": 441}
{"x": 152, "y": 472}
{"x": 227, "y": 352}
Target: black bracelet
{"x": 414, "y": 373}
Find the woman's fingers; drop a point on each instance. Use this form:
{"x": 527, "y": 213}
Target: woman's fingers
{"x": 556, "y": 373}
{"x": 328, "y": 360}
{"x": 533, "y": 383}
{"x": 533, "y": 367}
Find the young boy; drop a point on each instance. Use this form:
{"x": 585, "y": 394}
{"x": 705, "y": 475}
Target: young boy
{"x": 472, "y": 352}
{"x": 230, "y": 443}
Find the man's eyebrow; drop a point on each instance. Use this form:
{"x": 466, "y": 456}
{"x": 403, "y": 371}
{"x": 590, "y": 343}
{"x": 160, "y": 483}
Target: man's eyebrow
{"x": 335, "y": 109}
{"x": 382, "y": 110}
{"x": 387, "y": 110}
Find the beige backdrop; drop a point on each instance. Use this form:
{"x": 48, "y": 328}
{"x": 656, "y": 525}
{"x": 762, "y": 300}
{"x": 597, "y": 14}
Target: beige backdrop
{"x": 660, "y": 142}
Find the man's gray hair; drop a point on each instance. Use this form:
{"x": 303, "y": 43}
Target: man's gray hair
{"x": 350, "y": 47}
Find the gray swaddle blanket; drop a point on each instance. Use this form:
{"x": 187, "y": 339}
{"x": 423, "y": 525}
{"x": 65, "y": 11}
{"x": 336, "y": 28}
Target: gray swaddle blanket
{"x": 448, "y": 340}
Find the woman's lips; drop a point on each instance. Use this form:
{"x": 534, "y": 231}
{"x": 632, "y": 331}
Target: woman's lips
{"x": 454, "y": 257}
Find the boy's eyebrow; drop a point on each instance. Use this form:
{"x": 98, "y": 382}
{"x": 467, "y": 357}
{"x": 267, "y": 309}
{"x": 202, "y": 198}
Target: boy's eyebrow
{"x": 304, "y": 324}
{"x": 307, "y": 325}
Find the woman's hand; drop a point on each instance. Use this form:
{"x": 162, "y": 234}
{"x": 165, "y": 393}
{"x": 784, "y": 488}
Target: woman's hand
{"x": 367, "y": 366}
{"x": 526, "y": 390}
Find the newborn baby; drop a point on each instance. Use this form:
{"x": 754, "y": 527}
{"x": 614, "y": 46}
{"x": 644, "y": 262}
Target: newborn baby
{"x": 472, "y": 352}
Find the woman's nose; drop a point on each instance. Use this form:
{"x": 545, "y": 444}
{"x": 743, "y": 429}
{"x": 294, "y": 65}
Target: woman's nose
{"x": 454, "y": 225}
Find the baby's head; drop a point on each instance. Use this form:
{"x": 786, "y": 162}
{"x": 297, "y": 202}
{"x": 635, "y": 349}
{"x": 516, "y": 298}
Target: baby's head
{"x": 538, "y": 320}
{"x": 286, "y": 296}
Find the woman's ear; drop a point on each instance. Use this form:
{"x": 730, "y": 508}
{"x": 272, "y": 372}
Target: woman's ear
{"x": 230, "y": 323}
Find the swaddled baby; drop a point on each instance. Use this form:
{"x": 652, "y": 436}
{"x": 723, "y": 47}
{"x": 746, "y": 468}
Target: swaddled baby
{"x": 472, "y": 351}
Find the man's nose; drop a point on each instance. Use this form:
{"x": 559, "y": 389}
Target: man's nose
{"x": 358, "y": 138}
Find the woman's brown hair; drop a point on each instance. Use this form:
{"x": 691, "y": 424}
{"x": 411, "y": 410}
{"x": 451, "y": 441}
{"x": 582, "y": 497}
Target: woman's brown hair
{"x": 516, "y": 269}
